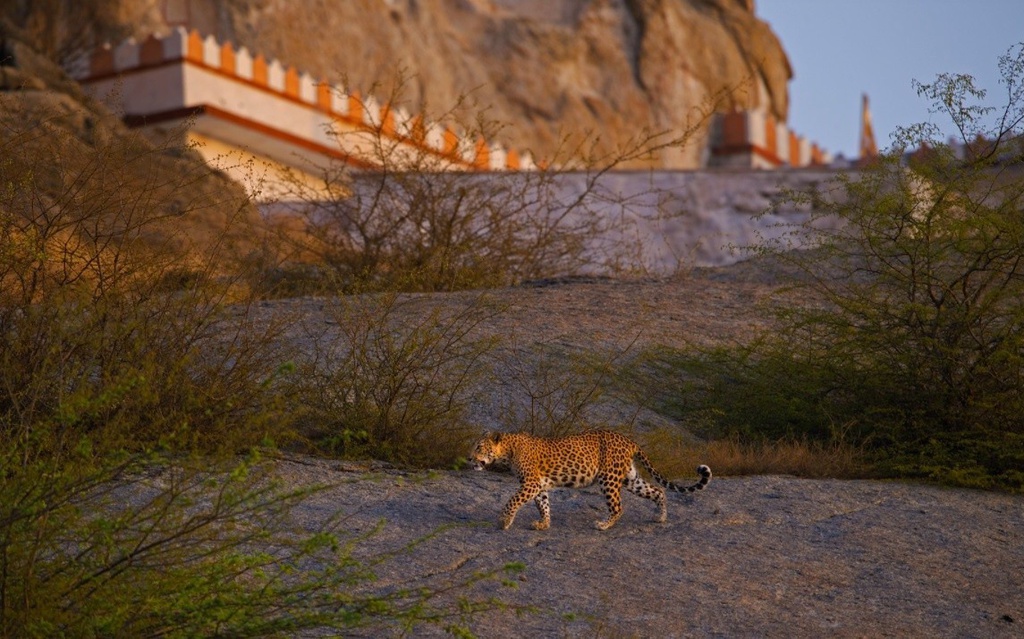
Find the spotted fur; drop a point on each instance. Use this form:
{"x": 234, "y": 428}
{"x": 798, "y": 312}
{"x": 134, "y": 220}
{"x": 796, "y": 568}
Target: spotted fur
{"x": 576, "y": 461}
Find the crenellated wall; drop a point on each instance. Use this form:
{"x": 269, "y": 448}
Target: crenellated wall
{"x": 274, "y": 111}
{"x": 754, "y": 139}
{"x": 231, "y": 100}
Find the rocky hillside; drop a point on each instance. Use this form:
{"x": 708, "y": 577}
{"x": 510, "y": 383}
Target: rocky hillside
{"x": 547, "y": 68}
{"x": 74, "y": 163}
{"x": 755, "y": 556}
{"x": 748, "y": 557}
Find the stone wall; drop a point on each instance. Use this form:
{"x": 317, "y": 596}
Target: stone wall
{"x": 680, "y": 219}
{"x": 654, "y": 223}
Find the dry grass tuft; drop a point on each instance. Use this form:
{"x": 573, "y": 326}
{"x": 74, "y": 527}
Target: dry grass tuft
{"x": 676, "y": 455}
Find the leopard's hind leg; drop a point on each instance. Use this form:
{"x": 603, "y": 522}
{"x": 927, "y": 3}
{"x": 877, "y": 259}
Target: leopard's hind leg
{"x": 544, "y": 506}
{"x": 636, "y": 484}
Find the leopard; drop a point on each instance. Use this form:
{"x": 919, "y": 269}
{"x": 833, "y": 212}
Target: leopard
{"x": 575, "y": 461}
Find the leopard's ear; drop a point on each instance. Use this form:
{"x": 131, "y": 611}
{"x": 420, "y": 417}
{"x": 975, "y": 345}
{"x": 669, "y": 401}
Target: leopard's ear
{"x": 496, "y": 437}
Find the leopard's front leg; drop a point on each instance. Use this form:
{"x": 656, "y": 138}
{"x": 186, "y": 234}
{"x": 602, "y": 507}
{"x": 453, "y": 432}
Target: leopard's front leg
{"x": 613, "y": 495}
{"x": 525, "y": 494}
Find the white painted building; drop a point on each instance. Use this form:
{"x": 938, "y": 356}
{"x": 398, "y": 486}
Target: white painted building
{"x": 259, "y": 120}
{"x": 269, "y": 126}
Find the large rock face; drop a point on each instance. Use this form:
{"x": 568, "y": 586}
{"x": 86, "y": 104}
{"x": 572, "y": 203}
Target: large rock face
{"x": 67, "y": 161}
{"x": 546, "y": 68}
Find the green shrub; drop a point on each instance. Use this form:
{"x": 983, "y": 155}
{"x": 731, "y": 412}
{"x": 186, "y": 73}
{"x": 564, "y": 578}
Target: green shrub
{"x": 141, "y": 548}
{"x": 392, "y": 375}
{"x": 560, "y": 387}
{"x": 745, "y": 391}
{"x": 113, "y": 324}
{"x": 909, "y": 335}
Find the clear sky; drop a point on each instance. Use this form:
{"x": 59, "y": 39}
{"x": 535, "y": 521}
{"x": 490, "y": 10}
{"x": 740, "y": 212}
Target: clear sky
{"x": 840, "y": 49}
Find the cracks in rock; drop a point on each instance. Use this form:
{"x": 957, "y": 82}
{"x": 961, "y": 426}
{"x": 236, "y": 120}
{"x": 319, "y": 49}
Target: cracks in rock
{"x": 634, "y": 37}
{"x": 451, "y": 567}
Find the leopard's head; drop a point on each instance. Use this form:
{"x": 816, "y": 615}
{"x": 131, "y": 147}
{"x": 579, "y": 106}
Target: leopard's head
{"x": 487, "y": 451}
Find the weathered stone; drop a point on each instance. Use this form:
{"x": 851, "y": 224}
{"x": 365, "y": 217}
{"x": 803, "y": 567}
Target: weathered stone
{"x": 49, "y": 130}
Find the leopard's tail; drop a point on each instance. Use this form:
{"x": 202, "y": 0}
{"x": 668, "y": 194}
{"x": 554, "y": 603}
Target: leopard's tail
{"x": 702, "y": 470}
